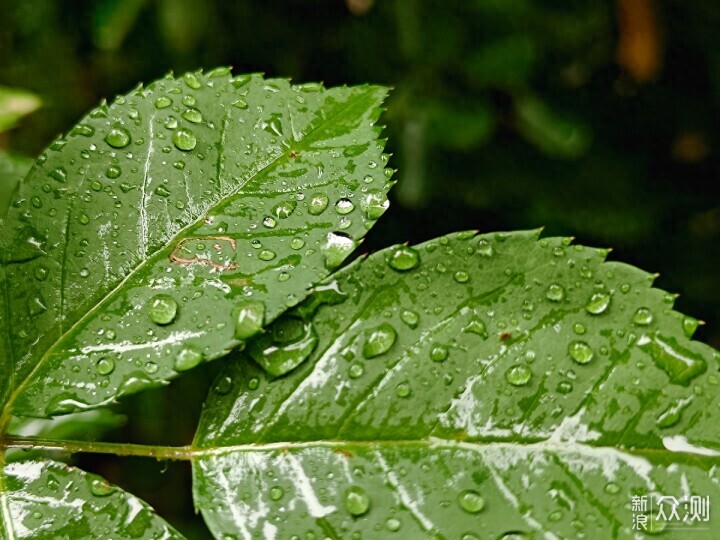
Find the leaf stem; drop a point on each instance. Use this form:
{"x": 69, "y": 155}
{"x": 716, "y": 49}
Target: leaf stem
{"x": 178, "y": 453}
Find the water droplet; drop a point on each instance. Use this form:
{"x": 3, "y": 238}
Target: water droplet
{"x": 476, "y": 326}
{"x": 223, "y": 385}
{"x": 318, "y": 203}
{"x": 555, "y": 516}
{"x": 297, "y": 243}
{"x": 598, "y": 303}
{"x": 393, "y": 524}
{"x": 356, "y": 501}
{"x": 461, "y": 276}
{"x": 118, "y": 137}
{"x": 643, "y": 317}
{"x": 403, "y": 258}
{"x": 410, "y": 317}
{"x": 100, "y": 488}
{"x": 356, "y": 370}
{"x": 83, "y": 129}
{"x": 681, "y": 365}
{"x": 188, "y": 357}
{"x": 240, "y": 104}
{"x": 249, "y": 317}
{"x": 518, "y": 375}
{"x": 269, "y": 222}
{"x": 41, "y": 273}
{"x": 612, "y": 488}
{"x": 113, "y": 172}
{"x": 484, "y": 248}
{"x": 374, "y": 203}
{"x": 379, "y": 340}
{"x": 336, "y": 248}
{"x": 284, "y": 209}
{"x": 344, "y": 206}
{"x": 151, "y": 367}
{"x": 192, "y": 81}
{"x": 579, "y": 328}
{"x": 254, "y": 383}
{"x": 184, "y": 139}
{"x": 402, "y": 390}
{"x": 471, "y": 501}
{"x": 438, "y": 353}
{"x": 163, "y": 102}
{"x": 555, "y": 293}
{"x": 163, "y": 309}
{"x": 266, "y": 255}
{"x": 276, "y": 493}
{"x": 564, "y": 387}
{"x": 580, "y": 352}
{"x": 689, "y": 325}
{"x": 105, "y": 366}
{"x": 193, "y": 115}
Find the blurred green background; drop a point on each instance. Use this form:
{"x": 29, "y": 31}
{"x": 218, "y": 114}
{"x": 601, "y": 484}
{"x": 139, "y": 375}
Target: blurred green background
{"x": 593, "y": 118}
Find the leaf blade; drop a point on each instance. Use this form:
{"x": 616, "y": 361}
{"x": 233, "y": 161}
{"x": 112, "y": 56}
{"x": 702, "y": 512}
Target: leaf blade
{"x": 471, "y": 395}
{"x": 261, "y": 150}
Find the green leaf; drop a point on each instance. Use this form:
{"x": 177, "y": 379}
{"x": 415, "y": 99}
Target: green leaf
{"x": 474, "y": 385}
{"x": 45, "y": 500}
{"x": 14, "y": 104}
{"x": 166, "y": 228}
{"x": 12, "y": 169}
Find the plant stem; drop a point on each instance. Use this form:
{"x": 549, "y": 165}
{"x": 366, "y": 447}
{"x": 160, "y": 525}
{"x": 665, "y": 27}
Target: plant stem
{"x": 180, "y": 453}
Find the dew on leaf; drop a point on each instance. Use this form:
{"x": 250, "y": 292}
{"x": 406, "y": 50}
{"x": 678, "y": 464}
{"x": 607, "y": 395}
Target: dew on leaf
{"x": 681, "y": 364}
{"x": 471, "y": 501}
{"x": 162, "y": 309}
{"x": 297, "y": 243}
{"x": 461, "y": 276}
{"x": 187, "y": 358}
{"x": 518, "y": 375}
{"x": 100, "y": 488}
{"x": 643, "y": 317}
{"x": 266, "y": 255}
{"x": 113, "y": 171}
{"x": 379, "y": 340}
{"x": 402, "y": 390}
{"x": 344, "y": 206}
{"x": 356, "y": 501}
{"x": 580, "y": 352}
{"x": 598, "y": 303}
{"x": 336, "y": 248}
{"x": 118, "y": 137}
{"x": 484, "y": 248}
{"x": 269, "y": 222}
{"x": 184, "y": 139}
{"x": 163, "y": 102}
{"x": 193, "y": 115}
{"x": 356, "y": 370}
{"x": 403, "y": 258}
{"x": 374, "y": 203}
{"x": 410, "y": 317}
{"x": 555, "y": 293}
{"x": 105, "y": 366}
{"x": 689, "y": 325}
{"x": 276, "y": 493}
{"x": 248, "y": 316}
{"x": 284, "y": 209}
{"x": 223, "y": 385}
{"x": 318, "y": 203}
{"x": 393, "y": 524}
{"x": 438, "y": 353}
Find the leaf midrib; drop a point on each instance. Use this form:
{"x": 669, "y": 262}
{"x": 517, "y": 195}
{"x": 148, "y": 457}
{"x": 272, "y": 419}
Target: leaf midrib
{"x": 366, "y": 91}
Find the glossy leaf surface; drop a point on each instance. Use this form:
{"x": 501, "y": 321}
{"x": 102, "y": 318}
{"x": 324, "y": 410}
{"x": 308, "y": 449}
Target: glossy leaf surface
{"x": 45, "y": 500}
{"x": 169, "y": 226}
{"x": 472, "y": 387}
{"x": 12, "y": 169}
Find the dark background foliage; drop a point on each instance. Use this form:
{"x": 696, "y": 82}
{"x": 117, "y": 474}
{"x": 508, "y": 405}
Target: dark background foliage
{"x": 593, "y": 118}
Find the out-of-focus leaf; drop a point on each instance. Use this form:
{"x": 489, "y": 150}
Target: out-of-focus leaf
{"x": 553, "y": 133}
{"x": 167, "y": 228}
{"x": 14, "y": 104}
{"x": 45, "y": 500}
{"x": 113, "y": 20}
{"x": 12, "y": 169}
{"x": 459, "y": 126}
{"x": 494, "y": 385}
{"x": 507, "y": 63}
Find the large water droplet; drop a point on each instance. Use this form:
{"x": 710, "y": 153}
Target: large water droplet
{"x": 193, "y": 115}
{"x": 184, "y": 139}
{"x": 643, "y": 317}
{"x": 163, "y": 102}
{"x": 393, "y": 524}
{"x": 471, "y": 501}
{"x": 318, "y": 203}
{"x": 403, "y": 258}
{"x": 105, "y": 366}
{"x": 374, "y": 204}
{"x": 188, "y": 357}
{"x": 681, "y": 364}
{"x": 379, "y": 340}
{"x": 276, "y": 493}
{"x": 438, "y": 352}
{"x": 163, "y": 309}
{"x": 356, "y": 501}
{"x": 410, "y": 317}
{"x": 249, "y": 316}
{"x": 288, "y": 342}
{"x": 336, "y": 248}
{"x": 344, "y": 206}
{"x": 580, "y": 352}
{"x": 284, "y": 209}
{"x": 598, "y": 303}
{"x": 518, "y": 375}
{"x": 118, "y": 137}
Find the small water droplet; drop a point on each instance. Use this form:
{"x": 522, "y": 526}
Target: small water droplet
{"x": 484, "y": 248}
{"x": 113, "y": 171}
{"x": 356, "y": 501}
{"x": 403, "y": 258}
{"x": 461, "y": 276}
{"x": 555, "y": 293}
{"x": 151, "y": 367}
{"x": 223, "y": 385}
{"x": 564, "y": 387}
{"x": 100, "y": 488}
{"x": 318, "y": 203}
{"x": 643, "y": 317}
{"x": 612, "y": 488}
{"x": 356, "y": 370}
{"x": 518, "y": 375}
{"x": 105, "y": 366}
{"x": 393, "y": 524}
{"x": 344, "y": 206}
{"x": 689, "y": 325}
{"x": 192, "y": 81}
{"x": 163, "y": 102}
{"x": 438, "y": 353}
{"x": 276, "y": 493}
{"x": 471, "y": 501}
{"x": 163, "y": 309}
{"x": 193, "y": 115}
{"x": 410, "y": 317}
{"x": 118, "y": 137}
{"x": 297, "y": 243}
{"x": 184, "y": 139}
{"x": 269, "y": 222}
{"x": 379, "y": 340}
{"x": 598, "y": 303}
{"x": 249, "y": 317}
{"x": 188, "y": 357}
{"x": 579, "y": 328}
{"x": 266, "y": 255}
{"x": 402, "y": 390}
{"x": 580, "y": 352}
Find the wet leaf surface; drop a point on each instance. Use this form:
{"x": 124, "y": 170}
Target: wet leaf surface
{"x": 494, "y": 386}
{"x": 167, "y": 227}
{"x": 46, "y": 500}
